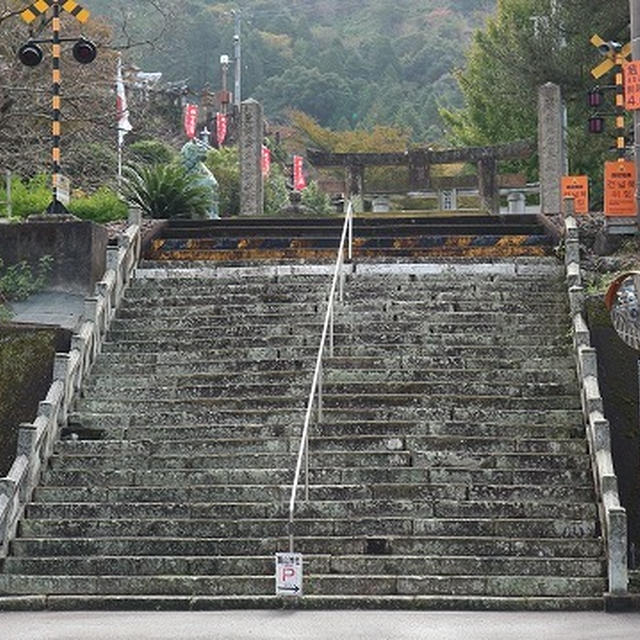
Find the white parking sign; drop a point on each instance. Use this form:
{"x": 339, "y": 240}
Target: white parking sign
{"x": 288, "y": 574}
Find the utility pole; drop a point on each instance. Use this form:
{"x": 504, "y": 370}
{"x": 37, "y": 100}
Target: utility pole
{"x": 634, "y": 12}
{"x": 237, "y": 58}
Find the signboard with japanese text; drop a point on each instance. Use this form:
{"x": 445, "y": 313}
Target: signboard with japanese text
{"x": 221, "y": 128}
{"x": 577, "y": 187}
{"x": 288, "y": 574}
{"x": 299, "y": 182}
{"x": 63, "y": 189}
{"x": 631, "y": 72}
{"x": 190, "y": 120}
{"x": 619, "y": 188}
{"x": 266, "y": 161}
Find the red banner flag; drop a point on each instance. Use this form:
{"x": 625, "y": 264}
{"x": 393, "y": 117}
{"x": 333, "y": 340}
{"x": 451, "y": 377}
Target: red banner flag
{"x": 299, "y": 183}
{"x": 221, "y": 128}
{"x": 266, "y": 161}
{"x": 190, "y": 120}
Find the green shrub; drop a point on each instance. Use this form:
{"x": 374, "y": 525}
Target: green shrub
{"x": 276, "y": 194}
{"x": 316, "y": 200}
{"x": 102, "y": 206}
{"x": 19, "y": 281}
{"x": 151, "y": 152}
{"x": 166, "y": 191}
{"x": 29, "y": 196}
{"x": 225, "y": 166}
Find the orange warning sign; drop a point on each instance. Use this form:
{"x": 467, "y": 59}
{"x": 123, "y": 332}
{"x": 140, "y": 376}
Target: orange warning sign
{"x": 631, "y": 71}
{"x": 577, "y": 187}
{"x": 619, "y": 188}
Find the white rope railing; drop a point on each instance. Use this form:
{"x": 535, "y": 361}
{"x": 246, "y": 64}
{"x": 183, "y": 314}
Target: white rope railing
{"x": 337, "y": 285}
{"x": 613, "y": 517}
{"x": 36, "y": 440}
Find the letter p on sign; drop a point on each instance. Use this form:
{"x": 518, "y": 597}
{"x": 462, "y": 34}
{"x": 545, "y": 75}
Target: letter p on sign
{"x": 288, "y": 574}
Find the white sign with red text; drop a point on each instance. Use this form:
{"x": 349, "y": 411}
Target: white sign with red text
{"x": 288, "y": 574}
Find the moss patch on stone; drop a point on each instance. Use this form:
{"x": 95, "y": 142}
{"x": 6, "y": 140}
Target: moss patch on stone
{"x": 26, "y": 362}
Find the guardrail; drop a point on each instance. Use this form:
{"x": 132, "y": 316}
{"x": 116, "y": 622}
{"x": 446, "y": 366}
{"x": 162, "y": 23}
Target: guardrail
{"x": 613, "y": 517}
{"x": 36, "y": 440}
{"x": 337, "y": 285}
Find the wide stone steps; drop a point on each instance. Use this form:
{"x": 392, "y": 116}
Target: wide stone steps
{"x": 112, "y": 367}
{"x": 344, "y": 320}
{"x": 295, "y": 389}
{"x": 376, "y": 526}
{"x": 376, "y": 308}
{"x": 201, "y": 416}
{"x": 369, "y": 331}
{"x": 448, "y": 468}
{"x": 464, "y": 545}
{"x": 315, "y": 564}
{"x": 315, "y": 584}
{"x": 328, "y": 509}
{"x": 140, "y": 381}
{"x": 358, "y": 444}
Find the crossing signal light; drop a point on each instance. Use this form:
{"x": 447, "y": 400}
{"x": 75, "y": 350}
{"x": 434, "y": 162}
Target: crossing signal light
{"x": 84, "y": 51}
{"x": 30, "y": 54}
{"x": 596, "y": 124}
{"x": 595, "y": 98}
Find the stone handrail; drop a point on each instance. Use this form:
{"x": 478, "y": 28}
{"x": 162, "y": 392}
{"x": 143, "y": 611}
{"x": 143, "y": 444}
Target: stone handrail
{"x": 36, "y": 440}
{"x": 613, "y": 517}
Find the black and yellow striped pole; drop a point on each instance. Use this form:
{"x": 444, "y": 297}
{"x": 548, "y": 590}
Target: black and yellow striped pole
{"x": 620, "y": 110}
{"x": 56, "y": 205}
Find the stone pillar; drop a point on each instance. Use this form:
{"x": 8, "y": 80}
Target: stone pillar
{"x": 550, "y": 153}
{"x": 419, "y": 170}
{"x": 488, "y": 184}
{"x": 251, "y": 138}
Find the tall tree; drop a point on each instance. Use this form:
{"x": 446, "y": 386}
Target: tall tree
{"x": 528, "y": 43}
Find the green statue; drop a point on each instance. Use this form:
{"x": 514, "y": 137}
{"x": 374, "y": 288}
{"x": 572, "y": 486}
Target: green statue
{"x": 192, "y": 156}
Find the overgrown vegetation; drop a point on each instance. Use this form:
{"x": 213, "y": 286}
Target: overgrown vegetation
{"x": 32, "y": 197}
{"x": 347, "y": 63}
{"x": 166, "y": 191}
{"x": 19, "y": 281}
{"x": 26, "y": 358}
{"x": 526, "y": 44}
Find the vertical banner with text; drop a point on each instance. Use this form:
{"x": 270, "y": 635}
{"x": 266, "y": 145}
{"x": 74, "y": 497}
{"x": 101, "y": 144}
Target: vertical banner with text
{"x": 299, "y": 182}
{"x": 221, "y": 128}
{"x": 190, "y": 120}
{"x": 266, "y": 161}
{"x": 576, "y": 187}
{"x": 619, "y": 188}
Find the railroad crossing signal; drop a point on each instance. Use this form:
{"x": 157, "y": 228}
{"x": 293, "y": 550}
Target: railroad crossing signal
{"x": 30, "y": 54}
{"x": 609, "y": 51}
{"x": 40, "y": 7}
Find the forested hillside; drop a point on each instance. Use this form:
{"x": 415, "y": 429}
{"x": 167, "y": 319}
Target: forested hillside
{"x": 347, "y": 63}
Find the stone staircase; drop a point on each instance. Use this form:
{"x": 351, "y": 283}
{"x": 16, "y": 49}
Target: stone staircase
{"x": 449, "y": 469}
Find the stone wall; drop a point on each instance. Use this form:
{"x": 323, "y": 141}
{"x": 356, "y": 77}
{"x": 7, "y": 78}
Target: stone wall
{"x": 78, "y": 250}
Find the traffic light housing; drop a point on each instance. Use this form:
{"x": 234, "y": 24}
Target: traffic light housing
{"x": 30, "y": 54}
{"x": 84, "y": 51}
{"x": 595, "y": 97}
{"x": 596, "y": 124}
